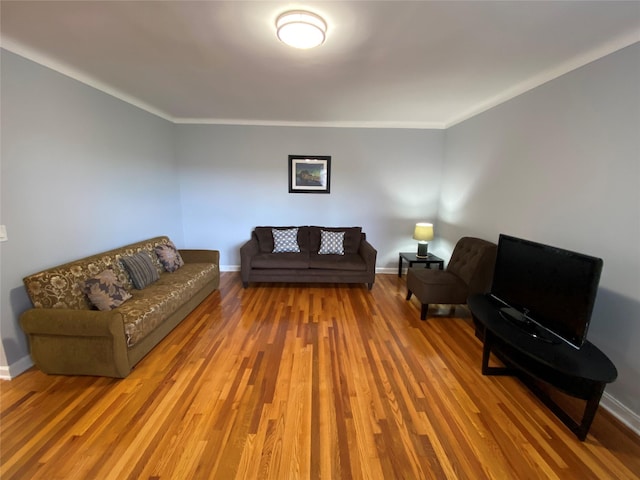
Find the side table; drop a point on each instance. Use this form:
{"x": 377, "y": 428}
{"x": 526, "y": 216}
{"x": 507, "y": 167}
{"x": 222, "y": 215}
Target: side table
{"x": 413, "y": 258}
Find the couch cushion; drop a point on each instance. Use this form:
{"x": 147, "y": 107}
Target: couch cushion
{"x": 285, "y": 241}
{"x": 331, "y": 243}
{"x": 141, "y": 269}
{"x": 352, "y": 236}
{"x": 169, "y": 257}
{"x": 281, "y": 260}
{"x": 348, "y": 261}
{"x": 105, "y": 291}
{"x": 149, "y": 307}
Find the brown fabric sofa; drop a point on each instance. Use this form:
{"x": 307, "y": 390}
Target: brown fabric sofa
{"x": 69, "y": 336}
{"x": 259, "y": 264}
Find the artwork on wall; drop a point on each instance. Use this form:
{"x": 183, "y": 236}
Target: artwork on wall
{"x": 309, "y": 173}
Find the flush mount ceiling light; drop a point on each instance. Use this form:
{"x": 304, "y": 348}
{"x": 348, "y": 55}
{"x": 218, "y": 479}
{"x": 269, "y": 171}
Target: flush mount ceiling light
{"x": 300, "y": 29}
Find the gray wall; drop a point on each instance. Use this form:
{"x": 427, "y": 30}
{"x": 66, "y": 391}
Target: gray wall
{"x": 82, "y": 172}
{"x": 233, "y": 178}
{"x": 561, "y": 165}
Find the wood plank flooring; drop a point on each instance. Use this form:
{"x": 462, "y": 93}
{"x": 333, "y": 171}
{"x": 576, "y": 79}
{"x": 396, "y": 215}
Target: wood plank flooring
{"x": 303, "y": 382}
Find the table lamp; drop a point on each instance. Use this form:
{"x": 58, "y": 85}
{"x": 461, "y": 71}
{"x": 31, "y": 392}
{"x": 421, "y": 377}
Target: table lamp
{"x": 423, "y": 233}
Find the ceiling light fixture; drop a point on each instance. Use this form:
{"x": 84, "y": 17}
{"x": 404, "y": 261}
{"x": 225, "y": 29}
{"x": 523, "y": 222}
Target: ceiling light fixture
{"x": 301, "y": 29}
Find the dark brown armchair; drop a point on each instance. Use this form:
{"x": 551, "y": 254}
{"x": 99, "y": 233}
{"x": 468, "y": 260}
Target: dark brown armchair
{"x": 469, "y": 271}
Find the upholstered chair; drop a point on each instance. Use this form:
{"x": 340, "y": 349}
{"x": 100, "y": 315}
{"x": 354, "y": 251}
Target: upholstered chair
{"x": 469, "y": 271}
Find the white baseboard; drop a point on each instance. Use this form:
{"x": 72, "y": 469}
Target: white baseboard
{"x": 621, "y": 412}
{"x": 388, "y": 270}
{"x": 229, "y": 268}
{"x": 16, "y": 368}
{"x": 236, "y": 268}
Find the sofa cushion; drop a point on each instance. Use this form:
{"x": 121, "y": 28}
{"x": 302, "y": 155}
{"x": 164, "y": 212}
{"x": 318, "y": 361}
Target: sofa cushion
{"x": 264, "y": 235}
{"x": 105, "y": 291}
{"x": 331, "y": 243}
{"x": 281, "y": 260}
{"x": 352, "y": 236}
{"x": 348, "y": 261}
{"x": 285, "y": 241}
{"x": 169, "y": 257}
{"x": 141, "y": 269}
{"x": 150, "y": 307}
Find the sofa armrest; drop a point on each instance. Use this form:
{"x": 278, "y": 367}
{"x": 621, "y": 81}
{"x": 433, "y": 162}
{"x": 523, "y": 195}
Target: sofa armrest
{"x": 200, "y": 256}
{"x": 72, "y": 323}
{"x": 369, "y": 254}
{"x": 247, "y": 251}
{"x": 77, "y": 342}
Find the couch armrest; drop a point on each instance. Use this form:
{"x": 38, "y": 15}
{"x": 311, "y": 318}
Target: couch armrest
{"x": 247, "y": 251}
{"x": 200, "y": 256}
{"x": 369, "y": 254}
{"x": 76, "y": 323}
{"x": 77, "y": 342}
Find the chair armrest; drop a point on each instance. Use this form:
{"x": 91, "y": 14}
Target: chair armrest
{"x": 200, "y": 256}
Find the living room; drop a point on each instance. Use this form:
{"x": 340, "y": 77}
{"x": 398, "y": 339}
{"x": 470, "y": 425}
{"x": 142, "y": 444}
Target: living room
{"x": 83, "y": 171}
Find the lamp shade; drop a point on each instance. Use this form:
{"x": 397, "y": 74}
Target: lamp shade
{"x": 423, "y": 232}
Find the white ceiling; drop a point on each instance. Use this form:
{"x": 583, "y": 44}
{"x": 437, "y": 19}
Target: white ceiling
{"x": 422, "y": 64}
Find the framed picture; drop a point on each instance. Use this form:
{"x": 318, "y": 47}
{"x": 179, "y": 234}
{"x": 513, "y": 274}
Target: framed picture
{"x": 309, "y": 174}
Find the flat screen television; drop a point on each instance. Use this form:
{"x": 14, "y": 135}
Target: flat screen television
{"x": 548, "y": 288}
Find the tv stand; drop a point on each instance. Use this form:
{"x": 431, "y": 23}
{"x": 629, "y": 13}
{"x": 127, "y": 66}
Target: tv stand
{"x": 526, "y": 325}
{"x": 581, "y": 373}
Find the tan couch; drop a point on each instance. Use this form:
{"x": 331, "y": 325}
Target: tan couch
{"x": 68, "y": 336}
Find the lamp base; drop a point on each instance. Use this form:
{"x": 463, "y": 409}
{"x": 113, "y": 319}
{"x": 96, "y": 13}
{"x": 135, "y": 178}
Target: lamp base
{"x": 423, "y": 250}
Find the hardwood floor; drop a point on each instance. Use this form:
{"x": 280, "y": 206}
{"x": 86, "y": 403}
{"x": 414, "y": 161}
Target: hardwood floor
{"x": 302, "y": 382}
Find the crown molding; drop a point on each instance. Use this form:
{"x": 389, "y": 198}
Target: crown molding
{"x": 551, "y": 74}
{"x": 64, "y": 69}
{"x": 336, "y": 124}
{"x": 573, "y": 64}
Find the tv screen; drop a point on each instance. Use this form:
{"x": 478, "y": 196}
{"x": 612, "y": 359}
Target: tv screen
{"x": 551, "y": 287}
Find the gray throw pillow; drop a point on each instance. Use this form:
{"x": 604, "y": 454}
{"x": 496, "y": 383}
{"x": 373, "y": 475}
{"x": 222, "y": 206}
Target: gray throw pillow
{"x": 105, "y": 291}
{"x": 285, "y": 240}
{"x": 169, "y": 257}
{"x": 141, "y": 269}
{"x": 331, "y": 243}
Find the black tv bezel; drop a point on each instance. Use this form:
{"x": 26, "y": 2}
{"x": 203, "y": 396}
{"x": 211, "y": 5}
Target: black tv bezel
{"x": 528, "y": 317}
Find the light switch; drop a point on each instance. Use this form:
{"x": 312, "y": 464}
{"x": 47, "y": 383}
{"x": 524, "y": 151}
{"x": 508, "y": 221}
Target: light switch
{"x": 3, "y": 233}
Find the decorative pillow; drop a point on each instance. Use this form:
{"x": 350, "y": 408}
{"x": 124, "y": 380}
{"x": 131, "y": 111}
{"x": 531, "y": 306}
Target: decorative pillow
{"x": 169, "y": 257}
{"x": 141, "y": 269}
{"x": 105, "y": 291}
{"x": 331, "y": 243}
{"x": 285, "y": 240}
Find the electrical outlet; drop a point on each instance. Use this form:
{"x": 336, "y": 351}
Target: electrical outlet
{"x": 3, "y": 233}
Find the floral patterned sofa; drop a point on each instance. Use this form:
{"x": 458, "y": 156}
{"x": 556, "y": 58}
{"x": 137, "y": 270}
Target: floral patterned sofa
{"x": 93, "y": 316}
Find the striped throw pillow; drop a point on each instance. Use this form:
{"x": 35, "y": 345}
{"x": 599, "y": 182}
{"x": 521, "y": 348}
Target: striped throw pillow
{"x": 141, "y": 269}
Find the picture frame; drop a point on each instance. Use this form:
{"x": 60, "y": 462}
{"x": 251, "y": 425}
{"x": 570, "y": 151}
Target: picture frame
{"x": 309, "y": 174}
